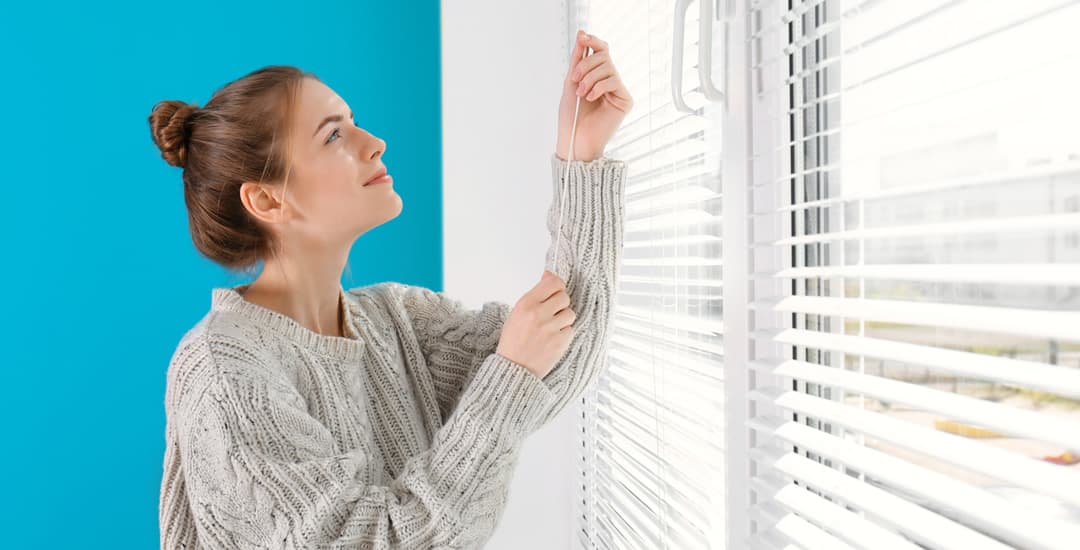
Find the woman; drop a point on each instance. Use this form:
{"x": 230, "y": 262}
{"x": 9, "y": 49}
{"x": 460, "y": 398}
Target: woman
{"x": 301, "y": 415}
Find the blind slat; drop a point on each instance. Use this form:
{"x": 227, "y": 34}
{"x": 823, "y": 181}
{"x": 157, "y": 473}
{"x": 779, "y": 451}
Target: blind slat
{"x": 1014, "y": 274}
{"x": 915, "y": 521}
{"x": 1062, "y": 325}
{"x": 995, "y": 416}
{"x": 845, "y": 524}
{"x": 1017, "y": 372}
{"x": 995, "y": 462}
{"x": 938, "y": 492}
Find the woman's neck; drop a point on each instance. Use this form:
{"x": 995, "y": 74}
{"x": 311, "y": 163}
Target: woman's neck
{"x": 320, "y": 312}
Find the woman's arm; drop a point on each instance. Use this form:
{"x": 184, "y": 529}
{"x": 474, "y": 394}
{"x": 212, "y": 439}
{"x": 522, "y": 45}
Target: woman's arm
{"x": 455, "y": 340}
{"x": 589, "y": 261}
{"x": 261, "y": 472}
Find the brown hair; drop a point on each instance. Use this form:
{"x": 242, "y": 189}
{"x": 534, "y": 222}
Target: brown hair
{"x": 240, "y": 135}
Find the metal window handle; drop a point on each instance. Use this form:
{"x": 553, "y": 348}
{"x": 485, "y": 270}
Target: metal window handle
{"x": 705, "y": 51}
{"x": 705, "y": 22}
{"x": 676, "y": 55}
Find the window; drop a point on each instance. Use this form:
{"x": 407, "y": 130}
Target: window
{"x": 915, "y": 342}
{"x": 849, "y": 312}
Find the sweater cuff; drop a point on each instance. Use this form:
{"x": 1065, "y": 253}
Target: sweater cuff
{"x": 507, "y": 396}
{"x": 588, "y": 209}
{"x": 602, "y": 168}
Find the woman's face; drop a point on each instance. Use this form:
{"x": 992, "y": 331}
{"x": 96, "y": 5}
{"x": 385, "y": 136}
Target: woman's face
{"x": 326, "y": 202}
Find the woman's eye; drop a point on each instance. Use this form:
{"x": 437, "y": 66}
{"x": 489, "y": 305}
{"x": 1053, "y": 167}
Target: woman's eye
{"x": 336, "y": 130}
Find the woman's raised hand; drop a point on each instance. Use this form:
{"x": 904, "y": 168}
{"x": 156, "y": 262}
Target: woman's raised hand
{"x": 605, "y": 101}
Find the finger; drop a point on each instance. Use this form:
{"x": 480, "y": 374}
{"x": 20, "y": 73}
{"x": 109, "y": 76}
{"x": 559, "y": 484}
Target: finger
{"x": 570, "y": 80}
{"x": 623, "y": 104}
{"x": 550, "y": 274}
{"x": 579, "y": 51}
{"x": 592, "y": 77}
{"x": 609, "y": 84}
{"x": 548, "y": 285}
{"x": 556, "y": 302}
{"x": 564, "y": 319}
{"x": 585, "y": 65}
{"x": 545, "y": 290}
{"x": 596, "y": 44}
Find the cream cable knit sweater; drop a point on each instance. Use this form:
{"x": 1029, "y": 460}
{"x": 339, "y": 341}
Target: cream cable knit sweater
{"x": 404, "y": 433}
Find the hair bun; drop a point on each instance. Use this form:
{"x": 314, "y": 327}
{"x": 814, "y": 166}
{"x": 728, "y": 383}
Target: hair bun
{"x": 170, "y": 127}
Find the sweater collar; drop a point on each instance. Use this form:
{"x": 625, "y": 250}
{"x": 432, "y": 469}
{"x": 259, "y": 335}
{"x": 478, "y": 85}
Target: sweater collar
{"x": 346, "y": 347}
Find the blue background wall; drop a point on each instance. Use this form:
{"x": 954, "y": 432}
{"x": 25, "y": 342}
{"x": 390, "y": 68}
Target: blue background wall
{"x": 100, "y": 276}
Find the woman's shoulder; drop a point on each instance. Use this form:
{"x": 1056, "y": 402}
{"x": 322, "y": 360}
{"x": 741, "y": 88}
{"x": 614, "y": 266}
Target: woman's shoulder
{"x": 369, "y": 292}
{"x": 221, "y": 344}
{"x": 394, "y": 300}
{"x": 391, "y": 291}
{"x": 223, "y": 330}
{"x": 377, "y": 299}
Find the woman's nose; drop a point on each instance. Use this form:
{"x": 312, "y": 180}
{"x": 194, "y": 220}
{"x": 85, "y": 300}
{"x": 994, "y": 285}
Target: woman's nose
{"x": 369, "y": 145}
{"x": 379, "y": 148}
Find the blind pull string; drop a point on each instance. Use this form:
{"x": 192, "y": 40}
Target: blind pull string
{"x": 566, "y": 176}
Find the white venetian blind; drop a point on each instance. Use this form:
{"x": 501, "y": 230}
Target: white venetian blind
{"x": 915, "y": 266}
{"x": 651, "y": 432}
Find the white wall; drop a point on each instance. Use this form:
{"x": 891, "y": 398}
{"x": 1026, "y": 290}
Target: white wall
{"x": 503, "y": 64}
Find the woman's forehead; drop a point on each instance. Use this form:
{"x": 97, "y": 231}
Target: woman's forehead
{"x": 317, "y": 101}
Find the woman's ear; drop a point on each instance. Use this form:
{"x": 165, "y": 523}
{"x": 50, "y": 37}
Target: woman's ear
{"x": 262, "y": 201}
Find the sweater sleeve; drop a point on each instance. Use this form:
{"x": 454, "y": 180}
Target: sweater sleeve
{"x": 590, "y": 255}
{"x": 453, "y": 338}
{"x": 261, "y": 472}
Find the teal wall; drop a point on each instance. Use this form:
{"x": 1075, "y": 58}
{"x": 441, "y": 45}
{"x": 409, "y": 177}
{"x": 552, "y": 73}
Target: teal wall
{"x": 100, "y": 274}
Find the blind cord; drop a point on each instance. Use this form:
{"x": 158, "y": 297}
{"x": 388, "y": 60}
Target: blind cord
{"x": 566, "y": 176}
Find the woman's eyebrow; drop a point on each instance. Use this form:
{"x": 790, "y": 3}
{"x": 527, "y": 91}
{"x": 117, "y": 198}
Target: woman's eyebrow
{"x": 328, "y": 120}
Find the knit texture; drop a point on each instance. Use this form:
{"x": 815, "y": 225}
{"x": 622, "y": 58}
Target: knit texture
{"x": 402, "y": 434}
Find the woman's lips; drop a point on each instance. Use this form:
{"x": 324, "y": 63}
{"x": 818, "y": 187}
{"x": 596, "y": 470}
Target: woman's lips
{"x": 385, "y": 178}
{"x": 379, "y": 177}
